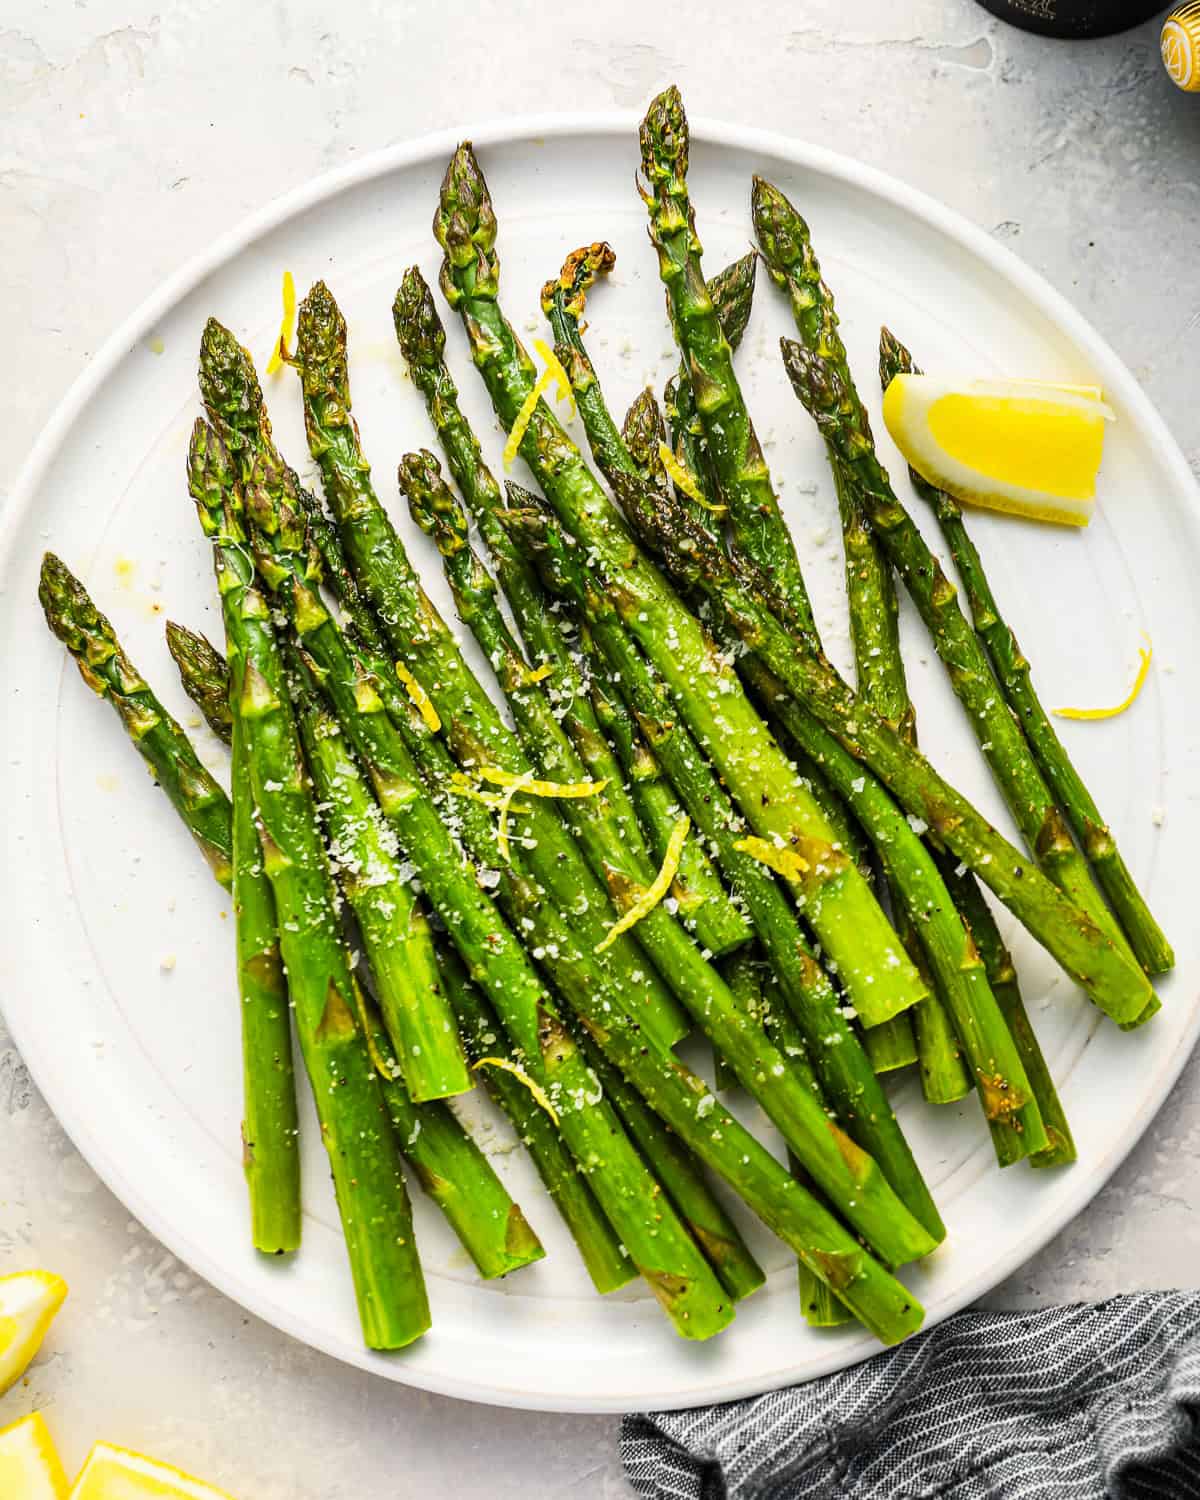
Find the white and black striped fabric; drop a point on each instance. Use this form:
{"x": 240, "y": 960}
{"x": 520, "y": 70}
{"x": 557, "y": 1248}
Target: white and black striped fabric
{"x": 1096, "y": 1402}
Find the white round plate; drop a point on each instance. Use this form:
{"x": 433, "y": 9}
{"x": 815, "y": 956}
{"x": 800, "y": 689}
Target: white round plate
{"x": 117, "y": 965}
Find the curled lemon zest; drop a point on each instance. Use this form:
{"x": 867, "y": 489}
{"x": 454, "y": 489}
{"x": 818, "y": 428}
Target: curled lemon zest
{"x": 553, "y": 372}
{"x": 538, "y": 1092}
{"x": 1139, "y": 682}
{"x": 683, "y": 479}
{"x": 527, "y": 782}
{"x": 554, "y": 367}
{"x": 505, "y": 805}
{"x": 463, "y": 788}
{"x": 785, "y": 862}
{"x": 287, "y": 325}
{"x": 420, "y": 697}
{"x": 538, "y": 674}
{"x": 655, "y": 891}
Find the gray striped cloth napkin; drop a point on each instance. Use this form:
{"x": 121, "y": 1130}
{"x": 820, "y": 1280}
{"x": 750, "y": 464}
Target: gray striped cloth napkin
{"x": 1096, "y": 1402}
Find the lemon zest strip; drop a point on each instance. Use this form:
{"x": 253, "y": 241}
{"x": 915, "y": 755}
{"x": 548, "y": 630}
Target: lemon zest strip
{"x": 1146, "y": 653}
{"x": 535, "y": 1089}
{"x": 287, "y": 325}
{"x": 655, "y": 891}
{"x": 683, "y": 479}
{"x": 463, "y": 788}
{"x": 420, "y": 697}
{"x": 554, "y": 365}
{"x": 538, "y": 674}
{"x": 785, "y": 862}
{"x": 527, "y": 782}
{"x": 553, "y": 372}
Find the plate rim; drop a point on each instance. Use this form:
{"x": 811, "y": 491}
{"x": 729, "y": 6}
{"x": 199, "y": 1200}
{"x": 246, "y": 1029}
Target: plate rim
{"x": 513, "y": 132}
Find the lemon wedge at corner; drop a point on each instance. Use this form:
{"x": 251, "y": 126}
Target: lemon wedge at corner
{"x": 30, "y": 1468}
{"x": 112, "y": 1473}
{"x": 1023, "y": 446}
{"x": 28, "y": 1302}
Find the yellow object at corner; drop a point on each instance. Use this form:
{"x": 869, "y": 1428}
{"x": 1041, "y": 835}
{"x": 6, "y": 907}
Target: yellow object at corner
{"x": 30, "y": 1468}
{"x": 112, "y": 1473}
{"x": 28, "y": 1303}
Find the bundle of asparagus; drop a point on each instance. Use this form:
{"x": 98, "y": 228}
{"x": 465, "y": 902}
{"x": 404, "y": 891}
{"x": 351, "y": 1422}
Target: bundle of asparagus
{"x": 692, "y": 820}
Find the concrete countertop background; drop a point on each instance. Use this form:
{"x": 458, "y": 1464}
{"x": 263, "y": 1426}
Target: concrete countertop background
{"x": 131, "y": 131}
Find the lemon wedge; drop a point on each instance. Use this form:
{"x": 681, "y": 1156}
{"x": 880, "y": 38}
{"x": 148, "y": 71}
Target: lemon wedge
{"x": 1028, "y": 447}
{"x": 30, "y": 1468}
{"x": 117, "y": 1474}
{"x": 28, "y": 1302}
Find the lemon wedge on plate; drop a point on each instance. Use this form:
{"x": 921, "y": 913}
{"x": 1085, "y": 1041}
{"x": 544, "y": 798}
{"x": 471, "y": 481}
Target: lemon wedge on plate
{"x": 1028, "y": 447}
{"x": 29, "y": 1465}
{"x": 28, "y": 1302}
{"x": 112, "y": 1473}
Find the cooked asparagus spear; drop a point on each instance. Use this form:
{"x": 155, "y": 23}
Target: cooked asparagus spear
{"x": 1012, "y": 669}
{"x": 761, "y": 1068}
{"x": 836, "y": 1055}
{"x": 1102, "y": 969}
{"x": 680, "y": 1175}
{"x": 449, "y": 1165}
{"x": 837, "y": 900}
{"x": 820, "y": 376}
{"x": 419, "y": 637}
{"x": 656, "y": 1240}
{"x": 1005, "y": 1091}
{"x": 739, "y": 468}
{"x": 607, "y": 1263}
{"x": 423, "y": 340}
{"x": 204, "y": 676}
{"x": 427, "y": 1048}
{"x": 355, "y": 1128}
{"x": 270, "y": 1154}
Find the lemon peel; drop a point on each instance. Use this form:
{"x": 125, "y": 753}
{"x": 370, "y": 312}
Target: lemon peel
{"x": 552, "y": 374}
{"x": 113, "y": 1473}
{"x": 538, "y": 1092}
{"x": 29, "y": 1301}
{"x": 420, "y": 697}
{"x": 783, "y": 861}
{"x": 287, "y": 326}
{"x": 655, "y": 891}
{"x": 1139, "y": 682}
{"x": 30, "y": 1468}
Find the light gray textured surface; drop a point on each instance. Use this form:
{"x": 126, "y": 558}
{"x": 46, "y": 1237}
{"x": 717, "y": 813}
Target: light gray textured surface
{"x": 134, "y": 131}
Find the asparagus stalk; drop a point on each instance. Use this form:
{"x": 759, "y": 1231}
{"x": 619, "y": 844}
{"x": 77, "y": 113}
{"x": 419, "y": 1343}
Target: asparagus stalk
{"x": 400, "y": 952}
{"x": 685, "y": 1103}
{"x": 680, "y": 1174}
{"x": 739, "y": 468}
{"x": 835, "y": 1052}
{"x": 375, "y": 1211}
{"x": 204, "y": 677}
{"x": 1013, "y": 671}
{"x": 270, "y": 1154}
{"x": 867, "y": 1201}
{"x": 158, "y": 739}
{"x": 743, "y": 972}
{"x": 607, "y": 1263}
{"x": 1086, "y": 953}
{"x": 656, "y": 1239}
{"x": 418, "y": 635}
{"x": 423, "y": 340}
{"x": 1005, "y": 1091}
{"x": 837, "y": 901}
{"x": 820, "y": 376}
{"x": 450, "y": 1167}
{"x": 875, "y": 634}
{"x": 395, "y": 930}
